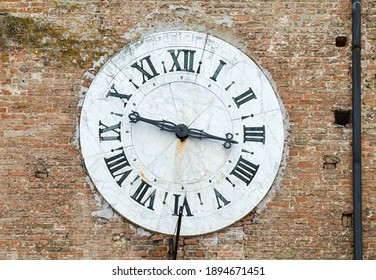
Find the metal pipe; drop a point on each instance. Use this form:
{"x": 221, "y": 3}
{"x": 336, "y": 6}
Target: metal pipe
{"x": 357, "y": 130}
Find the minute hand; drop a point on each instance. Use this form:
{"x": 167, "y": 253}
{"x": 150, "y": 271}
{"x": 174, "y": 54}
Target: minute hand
{"x": 200, "y": 134}
{"x": 163, "y": 125}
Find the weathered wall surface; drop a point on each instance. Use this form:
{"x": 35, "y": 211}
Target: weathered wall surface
{"x": 49, "y": 52}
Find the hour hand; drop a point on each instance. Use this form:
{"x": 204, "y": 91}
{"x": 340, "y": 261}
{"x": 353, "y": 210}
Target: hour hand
{"x": 162, "y": 124}
{"x": 196, "y": 133}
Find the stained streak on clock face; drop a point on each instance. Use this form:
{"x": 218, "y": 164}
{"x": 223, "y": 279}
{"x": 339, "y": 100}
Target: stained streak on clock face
{"x": 181, "y": 146}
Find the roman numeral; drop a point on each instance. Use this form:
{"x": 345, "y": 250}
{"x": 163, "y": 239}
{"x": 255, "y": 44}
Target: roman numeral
{"x": 118, "y": 166}
{"x": 141, "y": 197}
{"x": 145, "y": 73}
{"x": 254, "y": 134}
{"x": 219, "y": 197}
{"x": 244, "y": 97}
{"x": 185, "y": 206}
{"x": 112, "y": 132}
{"x": 188, "y": 60}
{"x": 245, "y": 170}
{"x": 114, "y": 93}
{"x": 218, "y": 70}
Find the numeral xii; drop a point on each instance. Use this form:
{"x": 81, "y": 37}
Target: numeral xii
{"x": 188, "y": 60}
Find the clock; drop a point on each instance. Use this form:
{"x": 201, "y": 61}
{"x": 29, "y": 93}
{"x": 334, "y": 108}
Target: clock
{"x": 182, "y": 120}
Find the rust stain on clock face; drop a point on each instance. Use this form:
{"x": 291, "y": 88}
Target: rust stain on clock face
{"x": 140, "y": 171}
{"x": 180, "y": 164}
{"x": 181, "y": 147}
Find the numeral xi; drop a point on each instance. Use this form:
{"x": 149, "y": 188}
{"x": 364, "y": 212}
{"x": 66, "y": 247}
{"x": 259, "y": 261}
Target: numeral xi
{"x": 146, "y": 74}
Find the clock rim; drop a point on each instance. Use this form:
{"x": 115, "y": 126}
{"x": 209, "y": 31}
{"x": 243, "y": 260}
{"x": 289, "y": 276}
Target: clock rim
{"x": 281, "y": 109}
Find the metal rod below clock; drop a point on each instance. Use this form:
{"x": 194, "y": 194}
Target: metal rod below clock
{"x": 178, "y": 233}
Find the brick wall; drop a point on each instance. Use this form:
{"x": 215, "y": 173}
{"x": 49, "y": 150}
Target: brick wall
{"x": 49, "y": 53}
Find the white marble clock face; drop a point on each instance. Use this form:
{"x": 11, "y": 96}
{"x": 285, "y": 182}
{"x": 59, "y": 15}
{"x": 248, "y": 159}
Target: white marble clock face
{"x": 146, "y": 170}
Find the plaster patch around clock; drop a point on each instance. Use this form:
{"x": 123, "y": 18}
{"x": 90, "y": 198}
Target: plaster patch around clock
{"x": 106, "y": 212}
{"x": 88, "y": 76}
{"x": 235, "y": 235}
{"x": 143, "y": 232}
{"x": 76, "y": 136}
{"x": 225, "y": 20}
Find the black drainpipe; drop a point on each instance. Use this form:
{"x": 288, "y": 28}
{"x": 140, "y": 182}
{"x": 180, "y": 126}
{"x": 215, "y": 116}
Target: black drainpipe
{"x": 356, "y": 96}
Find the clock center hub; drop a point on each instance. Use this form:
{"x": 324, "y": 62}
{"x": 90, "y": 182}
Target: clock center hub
{"x": 182, "y": 131}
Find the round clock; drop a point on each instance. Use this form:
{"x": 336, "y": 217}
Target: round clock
{"x": 182, "y": 120}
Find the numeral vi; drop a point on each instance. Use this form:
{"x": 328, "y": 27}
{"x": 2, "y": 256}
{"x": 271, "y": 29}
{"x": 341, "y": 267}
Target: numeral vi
{"x": 185, "y": 206}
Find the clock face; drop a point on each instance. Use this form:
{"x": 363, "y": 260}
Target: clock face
{"x": 182, "y": 120}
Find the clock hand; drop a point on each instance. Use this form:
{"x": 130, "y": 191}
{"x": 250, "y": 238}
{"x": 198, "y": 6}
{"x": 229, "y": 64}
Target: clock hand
{"x": 181, "y": 130}
{"x": 200, "y": 134}
{"x": 163, "y": 125}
